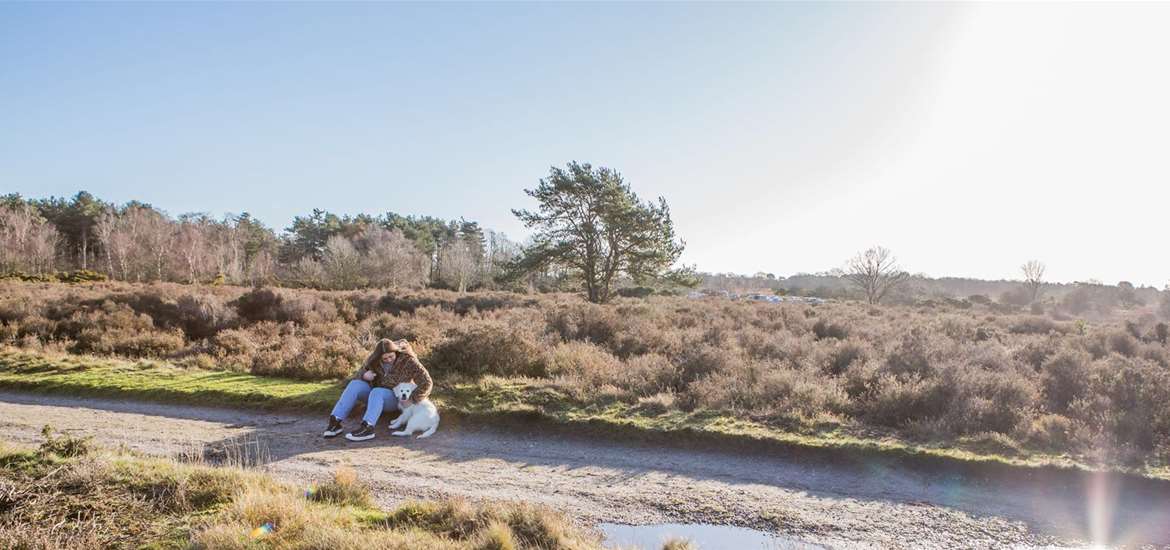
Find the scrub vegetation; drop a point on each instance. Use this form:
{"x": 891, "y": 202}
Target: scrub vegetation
{"x": 954, "y": 376}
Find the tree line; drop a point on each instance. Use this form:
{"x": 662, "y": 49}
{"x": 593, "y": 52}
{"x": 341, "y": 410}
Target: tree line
{"x": 874, "y": 276}
{"x": 591, "y": 232}
{"x": 139, "y": 242}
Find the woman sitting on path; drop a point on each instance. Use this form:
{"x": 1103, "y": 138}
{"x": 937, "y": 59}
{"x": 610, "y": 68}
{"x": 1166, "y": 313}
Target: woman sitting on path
{"x": 391, "y": 363}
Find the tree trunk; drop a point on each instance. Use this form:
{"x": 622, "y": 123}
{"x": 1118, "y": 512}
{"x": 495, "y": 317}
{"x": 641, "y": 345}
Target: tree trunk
{"x": 84, "y": 245}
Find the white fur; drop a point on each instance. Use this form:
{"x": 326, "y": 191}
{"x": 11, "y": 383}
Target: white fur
{"x": 418, "y": 417}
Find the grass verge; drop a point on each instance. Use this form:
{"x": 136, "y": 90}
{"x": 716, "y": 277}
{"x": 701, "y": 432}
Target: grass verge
{"x": 103, "y": 499}
{"x": 523, "y": 401}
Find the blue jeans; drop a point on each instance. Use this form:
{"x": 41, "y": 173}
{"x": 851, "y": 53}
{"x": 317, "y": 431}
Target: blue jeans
{"x": 377, "y": 399}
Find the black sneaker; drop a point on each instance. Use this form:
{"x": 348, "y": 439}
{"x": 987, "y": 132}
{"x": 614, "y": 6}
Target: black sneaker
{"x": 363, "y": 433}
{"x": 334, "y": 428}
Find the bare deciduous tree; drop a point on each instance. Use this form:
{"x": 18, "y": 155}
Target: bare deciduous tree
{"x": 192, "y": 246}
{"x": 390, "y": 259}
{"x": 156, "y": 235}
{"x": 1033, "y": 279}
{"x": 116, "y": 233}
{"x": 27, "y": 242}
{"x": 458, "y": 264}
{"x": 875, "y": 272}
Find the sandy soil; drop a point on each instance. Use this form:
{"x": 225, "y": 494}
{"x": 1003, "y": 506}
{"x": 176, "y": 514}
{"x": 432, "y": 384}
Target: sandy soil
{"x": 853, "y": 505}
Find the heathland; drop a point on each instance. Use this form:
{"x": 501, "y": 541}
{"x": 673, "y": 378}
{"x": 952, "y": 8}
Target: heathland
{"x": 951, "y": 377}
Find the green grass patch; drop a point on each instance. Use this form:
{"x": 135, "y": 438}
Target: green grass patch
{"x": 524, "y": 401}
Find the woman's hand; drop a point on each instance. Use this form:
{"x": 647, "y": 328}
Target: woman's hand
{"x": 369, "y": 376}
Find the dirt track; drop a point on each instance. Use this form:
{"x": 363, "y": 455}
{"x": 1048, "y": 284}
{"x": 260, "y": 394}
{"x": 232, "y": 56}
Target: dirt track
{"x": 859, "y": 505}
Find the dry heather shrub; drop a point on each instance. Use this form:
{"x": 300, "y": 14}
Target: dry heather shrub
{"x": 913, "y": 355}
{"x": 477, "y": 348}
{"x": 1035, "y": 325}
{"x": 703, "y": 360}
{"x": 202, "y": 315}
{"x": 115, "y": 329}
{"x": 585, "y": 322}
{"x": 1035, "y": 351}
{"x": 996, "y": 401}
{"x": 1053, "y": 432}
{"x": 896, "y": 402}
{"x": 260, "y": 304}
{"x": 585, "y": 363}
{"x": 424, "y": 328}
{"x": 844, "y": 354}
{"x": 769, "y": 389}
{"x": 1065, "y": 378}
{"x": 1156, "y": 353}
{"x": 234, "y": 348}
{"x": 1121, "y": 342}
{"x": 763, "y": 344}
{"x": 651, "y": 374}
{"x": 825, "y": 329}
{"x": 316, "y": 352}
{"x": 301, "y": 307}
{"x": 643, "y": 334}
{"x": 1139, "y": 392}
{"x": 199, "y": 315}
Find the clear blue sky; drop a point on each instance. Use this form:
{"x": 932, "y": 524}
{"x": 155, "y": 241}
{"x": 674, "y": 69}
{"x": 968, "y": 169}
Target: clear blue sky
{"x": 786, "y": 137}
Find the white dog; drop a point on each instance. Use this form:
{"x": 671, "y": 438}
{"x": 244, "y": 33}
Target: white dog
{"x": 422, "y": 416}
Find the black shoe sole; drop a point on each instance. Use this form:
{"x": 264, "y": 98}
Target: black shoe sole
{"x": 352, "y": 437}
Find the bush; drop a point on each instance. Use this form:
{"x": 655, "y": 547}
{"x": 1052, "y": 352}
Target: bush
{"x": 1065, "y": 378}
{"x": 1053, "y": 432}
{"x": 490, "y": 347}
{"x": 996, "y": 401}
{"x": 260, "y": 304}
{"x": 1123, "y": 343}
{"x": 202, "y": 315}
{"x": 1033, "y": 325}
{"x": 586, "y": 363}
{"x": 913, "y": 354}
{"x": 824, "y": 329}
{"x": 896, "y": 402}
{"x": 1139, "y": 392}
{"x": 843, "y": 355}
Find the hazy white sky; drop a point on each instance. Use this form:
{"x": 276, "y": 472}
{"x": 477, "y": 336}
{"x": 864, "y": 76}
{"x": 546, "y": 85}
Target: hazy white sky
{"x": 1042, "y": 131}
{"x": 968, "y": 138}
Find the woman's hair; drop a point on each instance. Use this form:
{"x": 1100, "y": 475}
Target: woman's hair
{"x": 385, "y": 346}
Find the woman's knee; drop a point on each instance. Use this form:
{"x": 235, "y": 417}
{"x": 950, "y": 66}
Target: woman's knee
{"x": 382, "y": 394}
{"x": 356, "y": 385}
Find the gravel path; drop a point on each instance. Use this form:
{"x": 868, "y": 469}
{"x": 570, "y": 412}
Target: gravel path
{"x": 855, "y": 505}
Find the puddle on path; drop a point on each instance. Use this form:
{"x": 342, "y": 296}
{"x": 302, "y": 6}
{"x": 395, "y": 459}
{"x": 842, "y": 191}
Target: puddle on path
{"x": 706, "y": 537}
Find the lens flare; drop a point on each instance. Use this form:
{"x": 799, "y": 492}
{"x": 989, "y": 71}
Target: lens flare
{"x": 262, "y": 531}
{"x": 311, "y": 491}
